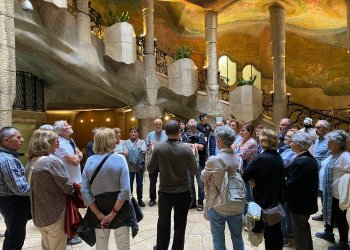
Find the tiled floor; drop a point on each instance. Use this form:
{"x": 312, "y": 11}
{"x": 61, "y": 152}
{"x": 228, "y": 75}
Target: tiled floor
{"x": 198, "y": 236}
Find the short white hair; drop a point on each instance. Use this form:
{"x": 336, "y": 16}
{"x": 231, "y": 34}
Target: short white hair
{"x": 303, "y": 140}
{"x": 58, "y": 125}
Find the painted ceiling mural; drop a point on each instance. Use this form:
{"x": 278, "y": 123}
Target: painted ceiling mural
{"x": 316, "y": 42}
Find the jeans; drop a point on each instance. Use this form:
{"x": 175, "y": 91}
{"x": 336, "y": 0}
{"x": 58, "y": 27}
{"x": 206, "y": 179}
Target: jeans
{"x": 16, "y": 212}
{"x": 286, "y": 224}
{"x": 167, "y": 201}
{"x": 200, "y": 186}
{"x": 217, "y": 226}
{"x": 139, "y": 183}
{"x": 153, "y": 176}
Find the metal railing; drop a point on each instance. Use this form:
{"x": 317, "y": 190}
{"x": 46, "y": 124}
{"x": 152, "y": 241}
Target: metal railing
{"x": 224, "y": 88}
{"x": 337, "y": 118}
{"x": 29, "y": 92}
{"x": 161, "y": 62}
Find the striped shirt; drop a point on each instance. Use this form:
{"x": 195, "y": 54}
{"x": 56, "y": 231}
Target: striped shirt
{"x": 12, "y": 179}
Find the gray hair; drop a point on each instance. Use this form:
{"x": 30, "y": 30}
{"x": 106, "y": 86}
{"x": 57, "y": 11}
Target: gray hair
{"x": 58, "y": 125}
{"x": 7, "y": 132}
{"x": 226, "y": 134}
{"x": 47, "y": 127}
{"x": 193, "y": 121}
{"x": 325, "y": 123}
{"x": 303, "y": 140}
{"x": 338, "y": 136}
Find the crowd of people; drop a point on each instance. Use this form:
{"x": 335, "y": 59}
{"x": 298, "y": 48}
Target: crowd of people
{"x": 292, "y": 168}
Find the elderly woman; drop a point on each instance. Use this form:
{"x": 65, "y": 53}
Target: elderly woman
{"x": 112, "y": 184}
{"x": 120, "y": 147}
{"x": 301, "y": 189}
{"x": 265, "y": 174}
{"x": 288, "y": 156}
{"x": 212, "y": 176}
{"x": 49, "y": 186}
{"x": 332, "y": 169}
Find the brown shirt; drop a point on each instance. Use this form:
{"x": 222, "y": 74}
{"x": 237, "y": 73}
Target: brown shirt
{"x": 48, "y": 188}
{"x": 173, "y": 159}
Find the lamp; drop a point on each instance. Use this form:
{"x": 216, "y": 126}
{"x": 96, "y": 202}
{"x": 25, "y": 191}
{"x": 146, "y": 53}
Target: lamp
{"x": 27, "y": 6}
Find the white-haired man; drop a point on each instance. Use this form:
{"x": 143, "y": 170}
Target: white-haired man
{"x": 71, "y": 156}
{"x": 196, "y": 140}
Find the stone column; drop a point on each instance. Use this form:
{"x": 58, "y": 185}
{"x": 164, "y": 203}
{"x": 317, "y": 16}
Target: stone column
{"x": 211, "y": 24}
{"x": 146, "y": 115}
{"x": 347, "y": 2}
{"x": 7, "y": 62}
{"x": 83, "y": 21}
{"x": 149, "y": 57}
{"x": 278, "y": 40}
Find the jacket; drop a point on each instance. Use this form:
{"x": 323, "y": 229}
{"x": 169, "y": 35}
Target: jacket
{"x": 301, "y": 186}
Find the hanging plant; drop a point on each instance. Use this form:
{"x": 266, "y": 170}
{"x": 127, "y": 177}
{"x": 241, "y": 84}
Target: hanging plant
{"x": 242, "y": 82}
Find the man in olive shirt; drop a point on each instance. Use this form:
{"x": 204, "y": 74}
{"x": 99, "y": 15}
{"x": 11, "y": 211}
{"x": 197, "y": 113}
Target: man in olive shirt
{"x": 173, "y": 160}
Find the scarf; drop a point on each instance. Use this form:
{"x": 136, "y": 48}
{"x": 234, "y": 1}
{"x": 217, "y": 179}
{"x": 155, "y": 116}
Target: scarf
{"x": 327, "y": 189}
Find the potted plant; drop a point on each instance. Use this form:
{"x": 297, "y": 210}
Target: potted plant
{"x": 242, "y": 82}
{"x": 182, "y": 73}
{"x": 183, "y": 52}
{"x": 120, "y": 38}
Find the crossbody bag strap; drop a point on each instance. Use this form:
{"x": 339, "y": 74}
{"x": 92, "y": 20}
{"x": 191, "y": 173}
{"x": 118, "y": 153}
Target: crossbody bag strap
{"x": 99, "y": 167}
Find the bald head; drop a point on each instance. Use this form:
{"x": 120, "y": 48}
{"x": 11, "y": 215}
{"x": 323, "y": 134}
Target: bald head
{"x": 158, "y": 125}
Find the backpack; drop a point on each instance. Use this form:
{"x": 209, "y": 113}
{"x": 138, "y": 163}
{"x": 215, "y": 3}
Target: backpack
{"x": 233, "y": 192}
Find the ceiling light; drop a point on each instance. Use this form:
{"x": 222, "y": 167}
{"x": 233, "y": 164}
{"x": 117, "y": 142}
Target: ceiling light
{"x": 27, "y": 6}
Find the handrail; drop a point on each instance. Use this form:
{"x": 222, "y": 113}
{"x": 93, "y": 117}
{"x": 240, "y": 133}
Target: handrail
{"x": 224, "y": 92}
{"x": 202, "y": 80}
{"x": 337, "y": 118}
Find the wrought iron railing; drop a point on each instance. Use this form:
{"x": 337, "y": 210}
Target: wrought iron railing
{"x": 337, "y": 118}
{"x": 267, "y": 105}
{"x": 161, "y": 63}
{"x": 140, "y": 47}
{"x": 29, "y": 92}
{"x": 224, "y": 92}
{"x": 202, "y": 80}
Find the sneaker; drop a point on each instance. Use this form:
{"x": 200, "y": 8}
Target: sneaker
{"x": 325, "y": 236}
{"x": 152, "y": 203}
{"x": 318, "y": 217}
{"x": 74, "y": 241}
{"x": 200, "y": 207}
{"x": 339, "y": 246}
{"x": 141, "y": 203}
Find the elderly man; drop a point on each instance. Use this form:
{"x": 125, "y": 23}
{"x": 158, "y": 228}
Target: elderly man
{"x": 158, "y": 135}
{"x": 71, "y": 156}
{"x": 14, "y": 189}
{"x": 320, "y": 151}
{"x": 285, "y": 125}
{"x": 196, "y": 141}
{"x": 173, "y": 159}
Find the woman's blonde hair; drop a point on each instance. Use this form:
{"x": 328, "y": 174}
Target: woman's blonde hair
{"x": 39, "y": 143}
{"x": 104, "y": 141}
{"x": 268, "y": 139}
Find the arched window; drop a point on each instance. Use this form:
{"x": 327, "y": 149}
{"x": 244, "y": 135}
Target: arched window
{"x": 228, "y": 69}
{"x": 249, "y": 71}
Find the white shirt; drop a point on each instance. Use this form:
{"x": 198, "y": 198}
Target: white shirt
{"x": 65, "y": 149}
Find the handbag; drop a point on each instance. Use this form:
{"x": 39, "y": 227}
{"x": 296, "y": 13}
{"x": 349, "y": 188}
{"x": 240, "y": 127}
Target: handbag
{"x": 273, "y": 215}
{"x": 85, "y": 231}
{"x": 232, "y": 193}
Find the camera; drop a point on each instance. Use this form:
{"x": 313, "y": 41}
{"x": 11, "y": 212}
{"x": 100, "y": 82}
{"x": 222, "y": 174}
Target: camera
{"x": 193, "y": 139}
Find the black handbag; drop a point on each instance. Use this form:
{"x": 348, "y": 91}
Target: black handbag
{"x": 85, "y": 231}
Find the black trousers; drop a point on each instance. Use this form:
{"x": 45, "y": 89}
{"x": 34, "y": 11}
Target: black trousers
{"x": 153, "y": 176}
{"x": 301, "y": 231}
{"x": 16, "y": 212}
{"x": 340, "y": 217}
{"x": 167, "y": 201}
